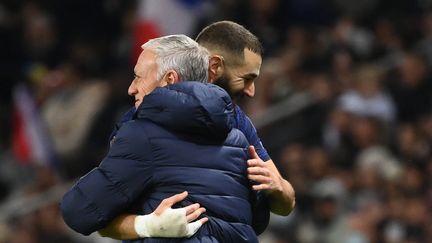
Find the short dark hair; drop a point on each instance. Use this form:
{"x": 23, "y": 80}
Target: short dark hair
{"x": 229, "y": 38}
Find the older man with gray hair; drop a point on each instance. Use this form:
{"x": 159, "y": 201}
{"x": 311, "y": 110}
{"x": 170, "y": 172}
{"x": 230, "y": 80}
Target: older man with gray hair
{"x": 180, "y": 138}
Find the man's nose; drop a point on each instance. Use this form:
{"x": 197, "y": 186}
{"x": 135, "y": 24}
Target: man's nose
{"x": 249, "y": 90}
{"x": 132, "y": 89}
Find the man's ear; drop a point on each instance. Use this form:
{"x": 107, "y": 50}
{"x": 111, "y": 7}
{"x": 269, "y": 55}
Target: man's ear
{"x": 216, "y": 67}
{"x": 171, "y": 77}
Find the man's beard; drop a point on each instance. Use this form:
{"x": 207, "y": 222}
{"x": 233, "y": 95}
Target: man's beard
{"x": 224, "y": 83}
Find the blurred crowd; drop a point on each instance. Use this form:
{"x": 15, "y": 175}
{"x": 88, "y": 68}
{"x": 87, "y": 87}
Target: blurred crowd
{"x": 359, "y": 154}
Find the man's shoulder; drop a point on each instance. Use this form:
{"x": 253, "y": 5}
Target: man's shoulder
{"x": 135, "y": 130}
{"x": 143, "y": 129}
{"x": 133, "y": 138}
{"x": 130, "y": 128}
{"x": 236, "y": 138}
{"x": 243, "y": 122}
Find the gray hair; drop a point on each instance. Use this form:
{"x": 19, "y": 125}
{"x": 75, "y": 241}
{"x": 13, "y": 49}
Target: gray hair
{"x": 182, "y": 54}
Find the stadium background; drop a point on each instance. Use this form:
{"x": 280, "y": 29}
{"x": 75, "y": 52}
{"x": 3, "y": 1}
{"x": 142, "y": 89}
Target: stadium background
{"x": 343, "y": 105}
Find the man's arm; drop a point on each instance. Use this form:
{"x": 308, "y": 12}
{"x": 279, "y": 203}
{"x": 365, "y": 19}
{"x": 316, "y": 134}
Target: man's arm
{"x": 129, "y": 226}
{"x": 105, "y": 192}
{"x": 281, "y": 193}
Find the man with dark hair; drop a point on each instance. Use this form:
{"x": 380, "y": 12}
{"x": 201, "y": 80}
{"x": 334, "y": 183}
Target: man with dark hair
{"x": 235, "y": 62}
{"x": 234, "y": 51}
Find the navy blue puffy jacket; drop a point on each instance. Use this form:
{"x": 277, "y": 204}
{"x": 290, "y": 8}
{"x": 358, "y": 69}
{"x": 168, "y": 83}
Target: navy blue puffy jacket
{"x": 180, "y": 139}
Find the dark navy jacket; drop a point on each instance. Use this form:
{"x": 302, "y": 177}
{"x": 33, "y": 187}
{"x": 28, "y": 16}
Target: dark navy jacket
{"x": 241, "y": 121}
{"x": 180, "y": 139}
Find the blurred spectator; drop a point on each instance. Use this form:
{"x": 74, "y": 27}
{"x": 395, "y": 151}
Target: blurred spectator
{"x": 317, "y": 164}
{"x": 40, "y": 41}
{"x": 424, "y": 45}
{"x": 411, "y": 88}
{"x": 71, "y": 108}
{"x": 265, "y": 20}
{"x": 367, "y": 97}
{"x": 350, "y": 36}
{"x": 411, "y": 146}
{"x": 355, "y": 9}
{"x": 388, "y": 42}
{"x": 325, "y": 221}
{"x": 341, "y": 70}
{"x": 337, "y": 137}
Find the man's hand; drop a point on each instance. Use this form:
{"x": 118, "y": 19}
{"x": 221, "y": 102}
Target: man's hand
{"x": 267, "y": 178}
{"x": 168, "y": 222}
{"x": 163, "y": 222}
{"x": 262, "y": 173}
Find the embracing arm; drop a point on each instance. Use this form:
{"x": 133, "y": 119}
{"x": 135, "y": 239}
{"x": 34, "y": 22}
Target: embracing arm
{"x": 106, "y": 191}
{"x": 177, "y": 222}
{"x": 280, "y": 192}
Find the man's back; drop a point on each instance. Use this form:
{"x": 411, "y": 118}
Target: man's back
{"x": 213, "y": 175}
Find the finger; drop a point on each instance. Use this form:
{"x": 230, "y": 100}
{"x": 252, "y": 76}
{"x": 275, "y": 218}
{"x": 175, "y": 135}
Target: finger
{"x": 256, "y": 162}
{"x": 253, "y": 162}
{"x": 192, "y": 216}
{"x": 191, "y": 208}
{"x": 252, "y": 153}
{"x": 260, "y": 179}
{"x": 260, "y": 187}
{"x": 176, "y": 198}
{"x": 203, "y": 220}
{"x": 168, "y": 202}
{"x": 258, "y": 171}
{"x": 193, "y": 227}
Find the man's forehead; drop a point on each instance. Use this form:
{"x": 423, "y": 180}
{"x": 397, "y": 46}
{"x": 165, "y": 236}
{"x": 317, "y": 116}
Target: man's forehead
{"x": 146, "y": 53}
{"x": 147, "y": 56}
{"x": 252, "y": 62}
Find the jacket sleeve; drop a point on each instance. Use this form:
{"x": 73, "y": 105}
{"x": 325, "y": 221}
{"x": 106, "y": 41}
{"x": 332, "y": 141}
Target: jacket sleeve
{"x": 123, "y": 175}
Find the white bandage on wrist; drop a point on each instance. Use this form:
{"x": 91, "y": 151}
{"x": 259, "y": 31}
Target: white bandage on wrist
{"x": 171, "y": 223}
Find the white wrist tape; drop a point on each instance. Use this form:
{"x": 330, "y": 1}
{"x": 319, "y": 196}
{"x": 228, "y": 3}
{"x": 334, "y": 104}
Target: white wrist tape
{"x": 171, "y": 223}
